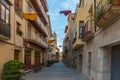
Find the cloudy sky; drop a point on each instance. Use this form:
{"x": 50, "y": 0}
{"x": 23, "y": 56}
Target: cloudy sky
{"x": 59, "y": 21}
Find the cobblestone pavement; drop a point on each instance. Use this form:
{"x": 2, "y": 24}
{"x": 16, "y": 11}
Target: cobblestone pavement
{"x": 58, "y": 71}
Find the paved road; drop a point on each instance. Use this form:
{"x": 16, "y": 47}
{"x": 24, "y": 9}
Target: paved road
{"x": 58, "y": 71}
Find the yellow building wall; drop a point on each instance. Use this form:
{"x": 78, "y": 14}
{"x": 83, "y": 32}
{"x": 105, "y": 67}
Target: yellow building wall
{"x": 15, "y": 42}
{"x": 7, "y": 50}
{"x": 6, "y": 53}
{"x": 80, "y": 16}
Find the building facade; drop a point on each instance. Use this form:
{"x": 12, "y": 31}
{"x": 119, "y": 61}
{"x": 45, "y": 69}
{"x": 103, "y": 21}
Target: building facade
{"x": 55, "y": 49}
{"x": 20, "y": 38}
{"x": 98, "y": 54}
{"x": 68, "y": 52}
{"x": 77, "y": 42}
{"x": 36, "y": 33}
{"x": 50, "y": 50}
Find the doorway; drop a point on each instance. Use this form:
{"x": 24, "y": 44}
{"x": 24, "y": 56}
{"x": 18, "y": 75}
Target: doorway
{"x": 115, "y": 63}
{"x": 27, "y": 59}
{"x": 80, "y": 63}
{"x": 37, "y": 58}
{"x": 89, "y": 63}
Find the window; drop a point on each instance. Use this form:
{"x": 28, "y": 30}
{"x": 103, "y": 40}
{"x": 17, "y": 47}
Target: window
{"x": 81, "y": 25}
{"x": 29, "y": 31}
{"x": 5, "y": 12}
{"x": 37, "y": 58}
{"x": 27, "y": 59}
{"x": 5, "y": 3}
{"x": 16, "y": 55}
{"x": 81, "y": 4}
{"x": 18, "y": 30}
{"x": 29, "y": 8}
{"x": 18, "y": 7}
{"x": 89, "y": 63}
{"x": 74, "y": 34}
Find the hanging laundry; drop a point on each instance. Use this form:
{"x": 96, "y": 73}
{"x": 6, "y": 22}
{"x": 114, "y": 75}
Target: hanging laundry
{"x": 65, "y": 12}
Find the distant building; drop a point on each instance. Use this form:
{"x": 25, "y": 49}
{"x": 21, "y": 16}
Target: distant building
{"x": 50, "y": 49}
{"x": 54, "y": 47}
{"x": 68, "y": 56}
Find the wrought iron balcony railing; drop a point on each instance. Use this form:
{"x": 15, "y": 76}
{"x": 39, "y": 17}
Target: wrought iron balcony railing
{"x": 40, "y": 9}
{"x": 87, "y": 30}
{"x": 107, "y": 11}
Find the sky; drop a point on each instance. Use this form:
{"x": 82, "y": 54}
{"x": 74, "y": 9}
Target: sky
{"x": 59, "y": 21}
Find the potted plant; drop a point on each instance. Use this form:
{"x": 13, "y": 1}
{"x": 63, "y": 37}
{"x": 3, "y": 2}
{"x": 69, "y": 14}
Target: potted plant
{"x": 12, "y": 70}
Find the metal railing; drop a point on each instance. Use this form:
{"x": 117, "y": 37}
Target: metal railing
{"x": 88, "y": 28}
{"x": 46, "y": 4}
{"x": 42, "y": 9}
{"x": 99, "y": 9}
{"x": 38, "y": 20}
{"x": 104, "y": 5}
{"x": 41, "y": 41}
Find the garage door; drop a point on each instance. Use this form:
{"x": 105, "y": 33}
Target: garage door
{"x": 115, "y": 61}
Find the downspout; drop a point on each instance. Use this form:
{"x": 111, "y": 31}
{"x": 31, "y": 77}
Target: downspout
{"x": 95, "y": 14}
{"x": 14, "y": 25}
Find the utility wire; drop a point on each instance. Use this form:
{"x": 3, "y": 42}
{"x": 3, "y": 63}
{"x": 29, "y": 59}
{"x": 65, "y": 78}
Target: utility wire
{"x": 60, "y": 37}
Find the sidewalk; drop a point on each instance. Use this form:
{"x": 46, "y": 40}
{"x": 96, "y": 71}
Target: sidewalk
{"x": 56, "y": 72}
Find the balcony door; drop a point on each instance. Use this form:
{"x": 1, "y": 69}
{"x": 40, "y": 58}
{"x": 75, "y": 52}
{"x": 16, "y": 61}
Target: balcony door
{"x": 37, "y": 58}
{"x": 27, "y": 59}
{"x": 16, "y": 54}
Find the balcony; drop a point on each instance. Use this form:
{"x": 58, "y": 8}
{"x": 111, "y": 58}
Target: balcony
{"x": 40, "y": 9}
{"x": 78, "y": 43}
{"x": 39, "y": 43}
{"x": 107, "y": 11}
{"x": 45, "y": 5}
{"x": 43, "y": 42}
{"x": 88, "y": 30}
{"x": 4, "y": 31}
{"x": 37, "y": 23}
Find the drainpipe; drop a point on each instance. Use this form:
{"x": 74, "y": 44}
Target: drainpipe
{"x": 95, "y": 14}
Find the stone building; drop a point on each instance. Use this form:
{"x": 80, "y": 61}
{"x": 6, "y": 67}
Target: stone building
{"x": 50, "y": 48}
{"x": 54, "y": 46}
{"x": 98, "y": 57}
{"x": 69, "y": 56}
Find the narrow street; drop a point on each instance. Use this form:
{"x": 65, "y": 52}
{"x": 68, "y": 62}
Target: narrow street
{"x": 58, "y": 71}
